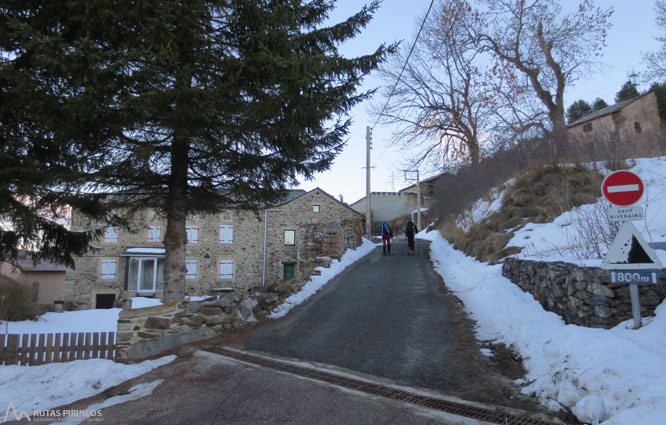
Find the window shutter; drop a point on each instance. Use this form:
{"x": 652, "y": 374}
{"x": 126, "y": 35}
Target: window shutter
{"x": 154, "y": 234}
{"x": 108, "y": 269}
{"x": 191, "y": 269}
{"x": 111, "y": 235}
{"x": 226, "y": 269}
{"x": 226, "y": 234}
{"x": 192, "y": 234}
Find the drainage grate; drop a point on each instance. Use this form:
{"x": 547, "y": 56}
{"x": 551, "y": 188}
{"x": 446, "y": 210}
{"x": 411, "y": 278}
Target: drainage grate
{"x": 479, "y": 413}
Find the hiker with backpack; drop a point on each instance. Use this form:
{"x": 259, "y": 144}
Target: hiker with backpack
{"x": 387, "y": 234}
{"x": 410, "y": 232}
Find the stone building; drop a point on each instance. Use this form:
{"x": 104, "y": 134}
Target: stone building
{"x": 232, "y": 249}
{"x": 386, "y": 206}
{"x": 630, "y": 119}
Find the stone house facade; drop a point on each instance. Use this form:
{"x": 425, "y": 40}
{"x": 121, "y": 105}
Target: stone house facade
{"x": 233, "y": 249}
{"x": 631, "y": 119}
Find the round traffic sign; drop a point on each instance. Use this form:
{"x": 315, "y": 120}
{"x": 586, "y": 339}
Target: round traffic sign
{"x": 622, "y": 188}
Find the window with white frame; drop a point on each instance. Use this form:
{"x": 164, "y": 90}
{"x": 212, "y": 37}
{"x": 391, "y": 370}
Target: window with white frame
{"x": 109, "y": 269}
{"x": 145, "y": 274}
{"x": 154, "y": 233}
{"x": 315, "y": 208}
{"x": 290, "y": 237}
{"x": 191, "y": 266}
{"x": 226, "y": 269}
{"x": 192, "y": 234}
{"x": 111, "y": 234}
{"x": 226, "y": 233}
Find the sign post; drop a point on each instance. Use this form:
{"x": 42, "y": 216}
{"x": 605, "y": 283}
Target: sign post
{"x": 630, "y": 259}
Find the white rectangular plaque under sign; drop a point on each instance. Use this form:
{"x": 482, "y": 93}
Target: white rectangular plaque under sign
{"x": 632, "y": 213}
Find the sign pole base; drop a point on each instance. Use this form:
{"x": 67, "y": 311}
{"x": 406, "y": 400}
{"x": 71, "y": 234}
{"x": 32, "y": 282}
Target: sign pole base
{"x": 635, "y": 305}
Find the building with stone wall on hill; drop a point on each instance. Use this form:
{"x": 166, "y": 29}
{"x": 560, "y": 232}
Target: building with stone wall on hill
{"x": 234, "y": 249}
{"x": 632, "y": 119}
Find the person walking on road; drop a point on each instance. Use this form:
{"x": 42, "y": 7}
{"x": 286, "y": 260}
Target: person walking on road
{"x": 410, "y": 232}
{"x": 387, "y": 234}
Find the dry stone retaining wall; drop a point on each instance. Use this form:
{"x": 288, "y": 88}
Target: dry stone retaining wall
{"x": 145, "y": 332}
{"x": 580, "y": 295}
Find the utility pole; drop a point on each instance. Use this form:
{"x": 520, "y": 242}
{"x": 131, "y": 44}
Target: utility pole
{"x": 368, "y": 203}
{"x": 418, "y": 196}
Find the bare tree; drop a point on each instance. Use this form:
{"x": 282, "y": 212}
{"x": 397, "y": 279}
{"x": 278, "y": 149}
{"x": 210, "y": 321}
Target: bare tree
{"x": 548, "y": 47}
{"x": 441, "y": 103}
{"x": 489, "y": 73}
{"x": 656, "y": 61}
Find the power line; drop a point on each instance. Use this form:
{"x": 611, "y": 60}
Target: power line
{"x": 405, "y": 64}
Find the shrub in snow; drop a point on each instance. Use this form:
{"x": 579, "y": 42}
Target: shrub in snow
{"x": 17, "y": 303}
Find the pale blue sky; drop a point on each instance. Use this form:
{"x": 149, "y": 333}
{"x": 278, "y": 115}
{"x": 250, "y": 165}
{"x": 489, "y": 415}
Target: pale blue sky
{"x": 633, "y": 32}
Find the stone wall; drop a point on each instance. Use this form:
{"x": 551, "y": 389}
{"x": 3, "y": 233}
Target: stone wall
{"x": 580, "y": 295}
{"x": 146, "y": 332}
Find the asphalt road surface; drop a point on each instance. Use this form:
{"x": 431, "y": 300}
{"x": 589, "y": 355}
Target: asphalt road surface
{"x": 388, "y": 318}
{"x": 391, "y": 317}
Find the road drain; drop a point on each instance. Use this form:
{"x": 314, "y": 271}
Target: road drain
{"x": 487, "y": 415}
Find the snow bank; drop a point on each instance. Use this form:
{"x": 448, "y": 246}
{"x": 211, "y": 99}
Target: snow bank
{"x": 483, "y": 208}
{"x": 52, "y": 385}
{"x": 97, "y": 320}
{"x": 101, "y": 320}
{"x": 615, "y": 376}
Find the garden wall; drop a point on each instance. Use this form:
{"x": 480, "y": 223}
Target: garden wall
{"x": 581, "y": 295}
{"x": 146, "y": 332}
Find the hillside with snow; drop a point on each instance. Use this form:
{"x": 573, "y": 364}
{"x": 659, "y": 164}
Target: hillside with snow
{"x": 607, "y": 376}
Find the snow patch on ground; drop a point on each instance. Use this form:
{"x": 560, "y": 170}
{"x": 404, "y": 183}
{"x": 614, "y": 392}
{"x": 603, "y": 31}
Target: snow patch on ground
{"x": 615, "y": 376}
{"x": 134, "y": 393}
{"x": 52, "y": 385}
{"x": 484, "y": 207}
{"x": 97, "y": 320}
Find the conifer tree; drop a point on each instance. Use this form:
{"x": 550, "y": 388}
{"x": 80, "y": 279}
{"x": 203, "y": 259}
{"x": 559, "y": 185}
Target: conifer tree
{"x": 627, "y": 91}
{"x": 577, "y": 110}
{"x": 198, "y": 106}
{"x": 599, "y": 104}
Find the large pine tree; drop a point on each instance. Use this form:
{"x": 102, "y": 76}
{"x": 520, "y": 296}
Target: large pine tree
{"x": 54, "y": 98}
{"x": 202, "y": 105}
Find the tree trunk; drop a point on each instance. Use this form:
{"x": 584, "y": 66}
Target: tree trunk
{"x": 474, "y": 153}
{"x": 559, "y": 135}
{"x": 175, "y": 238}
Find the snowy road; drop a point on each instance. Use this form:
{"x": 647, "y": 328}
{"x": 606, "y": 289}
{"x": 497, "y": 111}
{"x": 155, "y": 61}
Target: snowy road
{"x": 390, "y": 317}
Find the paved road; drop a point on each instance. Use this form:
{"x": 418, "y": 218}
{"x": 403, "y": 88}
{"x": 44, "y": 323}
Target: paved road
{"x": 211, "y": 390}
{"x": 388, "y": 316}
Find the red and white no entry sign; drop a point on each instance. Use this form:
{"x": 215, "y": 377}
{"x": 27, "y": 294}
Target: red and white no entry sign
{"x": 622, "y": 188}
